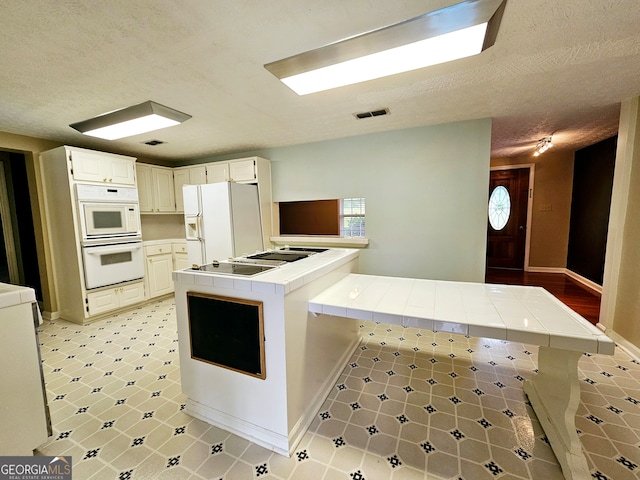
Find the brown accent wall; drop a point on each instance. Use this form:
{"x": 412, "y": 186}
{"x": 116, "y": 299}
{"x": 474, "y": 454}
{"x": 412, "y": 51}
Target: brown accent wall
{"x": 312, "y": 217}
{"x": 553, "y": 179}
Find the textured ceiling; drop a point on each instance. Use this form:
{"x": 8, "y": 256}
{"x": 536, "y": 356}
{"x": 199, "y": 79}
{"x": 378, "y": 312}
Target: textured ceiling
{"x": 558, "y": 66}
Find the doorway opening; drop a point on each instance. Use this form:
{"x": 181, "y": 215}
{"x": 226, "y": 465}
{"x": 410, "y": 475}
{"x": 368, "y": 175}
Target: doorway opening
{"x": 509, "y": 214}
{"x": 18, "y": 254}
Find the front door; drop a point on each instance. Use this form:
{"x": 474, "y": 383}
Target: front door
{"x": 508, "y": 201}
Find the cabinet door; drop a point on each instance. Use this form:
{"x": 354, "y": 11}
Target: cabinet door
{"x": 102, "y": 301}
{"x": 243, "y": 171}
{"x": 198, "y": 175}
{"x": 180, "y": 178}
{"x": 163, "y": 193}
{"x": 87, "y": 167}
{"x": 218, "y": 172}
{"x": 120, "y": 170}
{"x": 145, "y": 188}
{"x": 97, "y": 167}
{"x": 130, "y": 294}
{"x": 159, "y": 268}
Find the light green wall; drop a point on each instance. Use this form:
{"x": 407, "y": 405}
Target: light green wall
{"x": 425, "y": 190}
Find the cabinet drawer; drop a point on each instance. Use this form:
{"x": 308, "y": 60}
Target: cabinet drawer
{"x": 157, "y": 249}
{"x": 179, "y": 248}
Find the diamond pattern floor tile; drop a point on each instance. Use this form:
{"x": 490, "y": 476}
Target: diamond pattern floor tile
{"x": 410, "y": 404}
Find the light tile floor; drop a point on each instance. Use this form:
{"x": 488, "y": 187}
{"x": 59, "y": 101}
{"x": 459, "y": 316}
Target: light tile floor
{"x": 411, "y": 404}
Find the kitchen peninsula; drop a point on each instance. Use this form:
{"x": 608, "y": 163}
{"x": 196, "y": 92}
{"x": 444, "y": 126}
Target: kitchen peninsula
{"x": 306, "y": 353}
{"x": 274, "y": 362}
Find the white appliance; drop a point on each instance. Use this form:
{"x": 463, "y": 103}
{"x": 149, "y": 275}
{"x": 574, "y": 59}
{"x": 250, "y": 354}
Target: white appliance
{"x": 112, "y": 263}
{"x": 107, "y": 212}
{"x": 24, "y": 413}
{"x": 222, "y": 221}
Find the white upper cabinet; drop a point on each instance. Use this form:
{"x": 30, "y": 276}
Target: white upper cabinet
{"x": 217, "y": 172}
{"x": 145, "y": 188}
{"x": 187, "y": 176}
{"x": 155, "y": 189}
{"x": 242, "y": 170}
{"x": 89, "y": 166}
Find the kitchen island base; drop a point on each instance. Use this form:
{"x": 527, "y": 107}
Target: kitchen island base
{"x": 303, "y": 355}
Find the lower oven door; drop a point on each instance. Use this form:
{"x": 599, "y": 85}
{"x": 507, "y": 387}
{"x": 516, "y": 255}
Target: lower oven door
{"x": 112, "y": 263}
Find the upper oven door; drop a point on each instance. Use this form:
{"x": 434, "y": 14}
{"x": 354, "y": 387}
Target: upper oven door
{"x": 106, "y": 220}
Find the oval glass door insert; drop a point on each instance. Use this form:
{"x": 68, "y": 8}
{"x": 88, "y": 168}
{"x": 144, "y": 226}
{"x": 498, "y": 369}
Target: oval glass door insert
{"x": 499, "y": 207}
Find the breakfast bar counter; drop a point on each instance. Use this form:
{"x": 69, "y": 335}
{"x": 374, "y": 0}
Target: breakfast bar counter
{"x": 514, "y": 313}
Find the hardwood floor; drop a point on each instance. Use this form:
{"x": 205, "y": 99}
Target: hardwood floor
{"x": 570, "y": 292}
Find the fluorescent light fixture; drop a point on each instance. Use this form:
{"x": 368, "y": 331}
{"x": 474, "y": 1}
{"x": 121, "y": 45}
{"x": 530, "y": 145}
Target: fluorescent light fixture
{"x": 454, "y": 32}
{"x": 141, "y": 118}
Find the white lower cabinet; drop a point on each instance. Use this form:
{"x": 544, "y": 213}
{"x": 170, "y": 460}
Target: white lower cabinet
{"x": 159, "y": 262}
{"x": 180, "y": 257}
{"x": 117, "y": 297}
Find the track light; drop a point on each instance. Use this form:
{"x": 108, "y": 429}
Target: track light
{"x": 141, "y": 118}
{"x": 543, "y": 145}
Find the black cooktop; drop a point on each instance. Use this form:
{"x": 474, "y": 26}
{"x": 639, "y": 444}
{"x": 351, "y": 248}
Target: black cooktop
{"x": 278, "y": 256}
{"x": 305, "y": 249}
{"x": 233, "y": 268}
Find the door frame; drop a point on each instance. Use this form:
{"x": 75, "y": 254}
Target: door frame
{"x": 527, "y": 241}
{"x": 6, "y": 225}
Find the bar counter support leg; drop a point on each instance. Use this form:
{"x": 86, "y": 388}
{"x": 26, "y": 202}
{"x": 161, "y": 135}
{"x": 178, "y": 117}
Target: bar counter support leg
{"x": 554, "y": 394}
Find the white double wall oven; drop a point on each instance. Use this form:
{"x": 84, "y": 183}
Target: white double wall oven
{"x": 111, "y": 236}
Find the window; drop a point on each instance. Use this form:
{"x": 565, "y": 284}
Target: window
{"x": 352, "y": 217}
{"x": 329, "y": 218}
{"x": 499, "y": 207}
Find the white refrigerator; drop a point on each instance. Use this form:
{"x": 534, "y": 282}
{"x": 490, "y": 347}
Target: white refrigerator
{"x": 222, "y": 221}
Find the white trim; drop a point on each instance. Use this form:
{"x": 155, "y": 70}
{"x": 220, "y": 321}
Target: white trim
{"x": 6, "y": 226}
{"x": 622, "y": 343}
{"x": 532, "y": 171}
{"x": 593, "y": 286}
{"x": 546, "y": 269}
{"x": 354, "y": 242}
{"x": 585, "y": 281}
{"x": 628, "y": 146}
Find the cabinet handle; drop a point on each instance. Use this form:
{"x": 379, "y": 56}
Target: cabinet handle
{"x": 104, "y": 180}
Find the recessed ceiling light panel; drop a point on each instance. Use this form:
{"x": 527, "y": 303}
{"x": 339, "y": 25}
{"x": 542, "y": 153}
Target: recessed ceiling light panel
{"x": 141, "y": 118}
{"x": 454, "y": 32}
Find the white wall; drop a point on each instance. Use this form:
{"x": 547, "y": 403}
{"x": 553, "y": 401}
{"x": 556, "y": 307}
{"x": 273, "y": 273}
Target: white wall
{"x": 425, "y": 188}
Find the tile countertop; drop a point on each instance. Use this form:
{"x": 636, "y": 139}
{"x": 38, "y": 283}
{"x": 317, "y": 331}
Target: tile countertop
{"x": 280, "y": 280}
{"x": 508, "y": 312}
{"x": 11, "y": 295}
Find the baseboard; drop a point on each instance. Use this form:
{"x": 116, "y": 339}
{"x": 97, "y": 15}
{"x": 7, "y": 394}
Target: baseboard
{"x": 46, "y": 315}
{"x": 265, "y": 438}
{"x": 545, "y": 269}
{"x": 621, "y": 342}
{"x": 593, "y": 286}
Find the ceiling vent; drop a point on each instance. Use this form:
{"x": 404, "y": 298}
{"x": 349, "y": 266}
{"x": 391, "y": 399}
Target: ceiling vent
{"x": 373, "y": 113}
{"x": 153, "y": 143}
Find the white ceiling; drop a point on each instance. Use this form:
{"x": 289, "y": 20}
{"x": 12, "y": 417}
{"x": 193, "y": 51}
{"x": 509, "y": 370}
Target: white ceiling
{"x": 558, "y": 66}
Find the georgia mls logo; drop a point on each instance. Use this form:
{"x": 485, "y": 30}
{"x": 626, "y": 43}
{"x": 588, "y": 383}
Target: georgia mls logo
{"x": 35, "y": 468}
